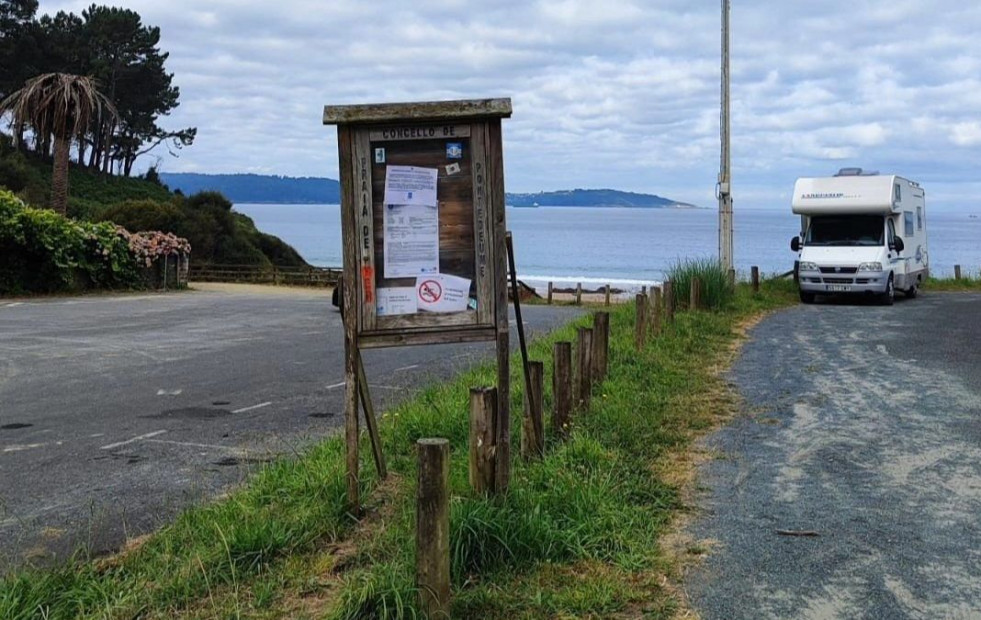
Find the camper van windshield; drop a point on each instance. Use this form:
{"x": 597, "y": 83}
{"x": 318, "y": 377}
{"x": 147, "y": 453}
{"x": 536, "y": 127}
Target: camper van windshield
{"x": 845, "y": 230}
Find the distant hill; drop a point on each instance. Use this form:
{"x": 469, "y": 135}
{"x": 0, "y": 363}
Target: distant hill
{"x": 256, "y": 188}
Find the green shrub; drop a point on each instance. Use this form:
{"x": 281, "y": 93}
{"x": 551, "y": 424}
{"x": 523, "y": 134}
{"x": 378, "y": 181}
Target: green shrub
{"x": 717, "y": 293}
{"x": 44, "y": 252}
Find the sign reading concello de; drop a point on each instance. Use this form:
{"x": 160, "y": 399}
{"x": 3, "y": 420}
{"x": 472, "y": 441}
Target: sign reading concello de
{"x": 423, "y": 224}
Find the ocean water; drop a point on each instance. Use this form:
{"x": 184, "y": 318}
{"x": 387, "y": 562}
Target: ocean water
{"x": 621, "y": 246}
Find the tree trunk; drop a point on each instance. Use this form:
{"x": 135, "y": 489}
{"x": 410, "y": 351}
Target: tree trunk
{"x": 59, "y": 176}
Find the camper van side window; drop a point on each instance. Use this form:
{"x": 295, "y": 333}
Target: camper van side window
{"x": 919, "y": 218}
{"x": 898, "y": 192}
{"x": 891, "y": 232}
{"x": 908, "y": 220}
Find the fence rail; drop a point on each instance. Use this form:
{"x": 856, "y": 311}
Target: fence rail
{"x": 252, "y": 274}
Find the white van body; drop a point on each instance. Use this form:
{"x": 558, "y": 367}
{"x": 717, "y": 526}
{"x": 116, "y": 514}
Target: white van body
{"x": 861, "y": 233}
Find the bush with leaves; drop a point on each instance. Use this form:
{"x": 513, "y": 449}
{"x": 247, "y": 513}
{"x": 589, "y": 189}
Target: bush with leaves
{"x": 44, "y": 252}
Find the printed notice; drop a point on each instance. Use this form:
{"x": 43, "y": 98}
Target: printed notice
{"x": 442, "y": 293}
{"x": 411, "y": 240}
{"x": 409, "y": 185}
{"x": 396, "y": 300}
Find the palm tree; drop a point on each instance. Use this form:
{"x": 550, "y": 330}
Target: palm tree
{"x": 62, "y": 105}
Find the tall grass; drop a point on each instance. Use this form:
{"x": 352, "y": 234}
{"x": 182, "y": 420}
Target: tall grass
{"x": 717, "y": 292}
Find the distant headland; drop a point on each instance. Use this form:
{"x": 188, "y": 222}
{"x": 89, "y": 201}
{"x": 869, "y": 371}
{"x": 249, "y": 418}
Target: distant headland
{"x": 257, "y": 188}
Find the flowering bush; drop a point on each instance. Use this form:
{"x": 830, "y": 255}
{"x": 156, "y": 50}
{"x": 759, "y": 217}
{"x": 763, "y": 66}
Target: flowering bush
{"x": 44, "y": 252}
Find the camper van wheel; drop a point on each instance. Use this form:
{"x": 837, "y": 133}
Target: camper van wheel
{"x": 806, "y": 298}
{"x": 911, "y": 292}
{"x": 890, "y": 295}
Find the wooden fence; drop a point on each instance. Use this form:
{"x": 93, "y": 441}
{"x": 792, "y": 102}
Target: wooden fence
{"x": 252, "y": 274}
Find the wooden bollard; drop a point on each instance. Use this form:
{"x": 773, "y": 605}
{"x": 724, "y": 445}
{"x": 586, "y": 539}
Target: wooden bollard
{"x": 584, "y": 368}
{"x": 640, "y": 327}
{"x": 601, "y": 345}
{"x": 643, "y": 290}
{"x": 669, "y": 301}
{"x": 695, "y": 294}
{"x": 657, "y": 309}
{"x": 755, "y": 275}
{"x": 578, "y": 293}
{"x": 483, "y": 438}
{"x": 957, "y": 272}
{"x": 562, "y": 388}
{"x": 532, "y": 428}
{"x": 433, "y": 528}
{"x": 732, "y": 278}
{"x": 550, "y": 293}
{"x": 607, "y": 294}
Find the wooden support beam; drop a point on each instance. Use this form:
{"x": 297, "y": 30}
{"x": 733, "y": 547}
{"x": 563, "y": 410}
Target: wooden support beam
{"x": 601, "y": 346}
{"x": 371, "y": 422}
{"x": 562, "y": 388}
{"x": 483, "y": 441}
{"x": 532, "y": 430}
{"x": 584, "y": 368}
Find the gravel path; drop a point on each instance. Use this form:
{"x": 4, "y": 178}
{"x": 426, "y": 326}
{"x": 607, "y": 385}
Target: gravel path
{"x": 863, "y": 426}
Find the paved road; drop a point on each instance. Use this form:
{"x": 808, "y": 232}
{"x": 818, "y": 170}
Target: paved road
{"x": 116, "y": 412}
{"x": 864, "y": 426}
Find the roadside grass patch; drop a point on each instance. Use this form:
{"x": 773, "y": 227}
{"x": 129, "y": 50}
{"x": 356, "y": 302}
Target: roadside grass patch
{"x": 716, "y": 291}
{"x": 966, "y": 283}
{"x": 576, "y": 536}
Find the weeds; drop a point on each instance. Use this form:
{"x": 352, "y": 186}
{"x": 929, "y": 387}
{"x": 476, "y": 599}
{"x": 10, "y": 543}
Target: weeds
{"x": 716, "y": 290}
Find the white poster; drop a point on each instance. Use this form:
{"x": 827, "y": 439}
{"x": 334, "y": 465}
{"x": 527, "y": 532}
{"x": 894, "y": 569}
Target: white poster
{"x": 396, "y": 300}
{"x": 409, "y": 185}
{"x": 411, "y": 240}
{"x": 442, "y": 293}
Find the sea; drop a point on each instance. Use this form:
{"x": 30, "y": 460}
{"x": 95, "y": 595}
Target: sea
{"x": 624, "y": 247}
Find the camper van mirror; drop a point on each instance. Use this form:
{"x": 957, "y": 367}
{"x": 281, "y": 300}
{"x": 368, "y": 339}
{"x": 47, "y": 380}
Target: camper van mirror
{"x": 795, "y": 244}
{"x": 899, "y": 245}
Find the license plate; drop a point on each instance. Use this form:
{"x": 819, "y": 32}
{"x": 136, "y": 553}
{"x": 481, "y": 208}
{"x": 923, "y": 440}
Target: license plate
{"x": 839, "y": 288}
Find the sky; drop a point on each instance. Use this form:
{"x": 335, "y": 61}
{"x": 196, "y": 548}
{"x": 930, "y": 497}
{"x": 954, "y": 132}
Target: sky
{"x": 621, "y": 94}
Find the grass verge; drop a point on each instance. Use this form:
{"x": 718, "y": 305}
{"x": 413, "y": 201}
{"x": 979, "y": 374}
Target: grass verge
{"x": 576, "y": 536}
{"x": 966, "y": 283}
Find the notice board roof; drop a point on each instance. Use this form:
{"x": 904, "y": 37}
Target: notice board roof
{"x": 462, "y": 109}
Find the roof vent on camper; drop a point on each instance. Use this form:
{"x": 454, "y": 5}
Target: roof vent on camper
{"x": 856, "y": 172}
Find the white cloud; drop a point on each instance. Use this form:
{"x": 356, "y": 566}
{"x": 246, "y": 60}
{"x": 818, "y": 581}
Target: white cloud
{"x": 620, "y": 94}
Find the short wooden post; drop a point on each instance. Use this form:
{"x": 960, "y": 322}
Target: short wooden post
{"x": 656, "y": 311}
{"x": 755, "y": 275}
{"x": 640, "y": 326}
{"x": 601, "y": 345}
{"x": 607, "y": 294}
{"x": 584, "y": 368}
{"x": 669, "y": 301}
{"x": 483, "y": 441}
{"x": 578, "y": 293}
{"x": 732, "y": 277}
{"x": 957, "y": 272}
{"x": 549, "y": 293}
{"x": 433, "y": 528}
{"x": 695, "y": 295}
{"x": 532, "y": 432}
{"x": 561, "y": 388}
{"x": 643, "y": 290}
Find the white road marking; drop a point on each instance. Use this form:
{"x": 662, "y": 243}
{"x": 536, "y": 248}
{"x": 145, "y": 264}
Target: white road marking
{"x": 337, "y": 385}
{"x": 406, "y": 368}
{"x": 133, "y": 440}
{"x": 14, "y": 305}
{"x": 169, "y": 392}
{"x": 387, "y": 387}
{"x": 259, "y": 406}
{"x": 194, "y": 445}
{"x": 29, "y": 446}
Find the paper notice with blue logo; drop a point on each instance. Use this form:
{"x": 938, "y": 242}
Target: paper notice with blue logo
{"x": 409, "y": 185}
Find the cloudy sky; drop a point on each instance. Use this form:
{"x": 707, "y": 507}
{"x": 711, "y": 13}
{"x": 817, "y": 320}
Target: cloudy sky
{"x": 620, "y": 94}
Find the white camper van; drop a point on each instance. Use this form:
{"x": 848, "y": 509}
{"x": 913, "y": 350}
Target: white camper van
{"x": 861, "y": 233}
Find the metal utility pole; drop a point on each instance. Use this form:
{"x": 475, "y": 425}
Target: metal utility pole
{"x": 725, "y": 172}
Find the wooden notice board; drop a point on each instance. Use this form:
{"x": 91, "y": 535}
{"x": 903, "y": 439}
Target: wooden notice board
{"x": 423, "y": 226}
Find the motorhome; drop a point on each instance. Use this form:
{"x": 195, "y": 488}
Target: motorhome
{"x": 862, "y": 233}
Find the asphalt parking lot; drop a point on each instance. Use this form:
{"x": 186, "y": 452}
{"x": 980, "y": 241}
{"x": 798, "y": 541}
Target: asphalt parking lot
{"x": 118, "y": 411}
{"x": 851, "y": 487}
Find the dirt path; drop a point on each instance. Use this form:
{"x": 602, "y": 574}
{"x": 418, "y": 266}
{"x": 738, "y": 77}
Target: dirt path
{"x": 863, "y": 432}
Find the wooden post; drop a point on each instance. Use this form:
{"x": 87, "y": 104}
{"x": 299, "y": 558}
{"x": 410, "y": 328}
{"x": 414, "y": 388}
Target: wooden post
{"x": 369, "y": 417}
{"x": 669, "y": 301}
{"x": 532, "y": 435}
{"x": 578, "y": 293}
{"x": 640, "y": 324}
{"x": 562, "y": 387}
{"x": 433, "y": 528}
{"x": 607, "y": 294}
{"x": 483, "y": 424}
{"x": 656, "y": 311}
{"x": 601, "y": 345}
{"x": 957, "y": 272}
{"x": 695, "y": 295}
{"x": 584, "y": 368}
{"x": 755, "y": 275}
{"x": 643, "y": 290}
{"x": 550, "y": 293}
{"x": 732, "y": 277}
